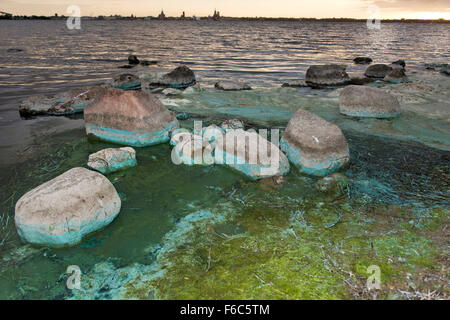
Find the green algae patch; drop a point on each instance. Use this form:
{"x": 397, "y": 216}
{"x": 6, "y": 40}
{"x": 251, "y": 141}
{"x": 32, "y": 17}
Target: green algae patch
{"x": 290, "y": 250}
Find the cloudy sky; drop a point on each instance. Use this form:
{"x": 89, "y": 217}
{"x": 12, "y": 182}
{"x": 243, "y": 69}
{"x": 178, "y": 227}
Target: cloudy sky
{"x": 422, "y": 9}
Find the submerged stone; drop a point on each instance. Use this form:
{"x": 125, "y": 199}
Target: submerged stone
{"x": 251, "y": 154}
{"x": 67, "y": 103}
{"x": 132, "y": 59}
{"x": 127, "y": 81}
{"x": 231, "y": 86}
{"x": 112, "y": 159}
{"x": 180, "y": 78}
{"x": 183, "y": 116}
{"x": 314, "y": 145}
{"x": 362, "y": 101}
{"x": 400, "y": 63}
{"x": 296, "y": 84}
{"x": 232, "y": 124}
{"x": 378, "y": 71}
{"x": 335, "y": 183}
{"x": 326, "y": 75}
{"x": 63, "y": 210}
{"x": 130, "y": 118}
{"x": 170, "y": 92}
{"x": 359, "y": 81}
{"x": 397, "y": 75}
{"x": 362, "y": 60}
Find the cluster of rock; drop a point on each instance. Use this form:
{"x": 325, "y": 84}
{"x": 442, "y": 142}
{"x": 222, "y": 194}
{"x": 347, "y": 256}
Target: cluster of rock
{"x": 332, "y": 75}
{"x": 244, "y": 151}
{"x": 63, "y": 210}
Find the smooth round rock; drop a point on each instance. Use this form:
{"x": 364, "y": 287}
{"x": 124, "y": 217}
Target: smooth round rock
{"x": 63, "y": 210}
{"x": 314, "y": 145}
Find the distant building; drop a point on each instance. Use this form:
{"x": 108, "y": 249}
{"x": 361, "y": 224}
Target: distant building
{"x": 162, "y": 16}
{"x": 216, "y": 15}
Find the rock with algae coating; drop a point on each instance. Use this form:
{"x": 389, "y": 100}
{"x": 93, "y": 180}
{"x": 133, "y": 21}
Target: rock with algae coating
{"x": 129, "y": 118}
{"x": 63, "y": 210}
{"x": 112, "y": 159}
{"x": 251, "y": 154}
{"x": 335, "y": 183}
{"x": 314, "y": 145}
{"x": 363, "y": 101}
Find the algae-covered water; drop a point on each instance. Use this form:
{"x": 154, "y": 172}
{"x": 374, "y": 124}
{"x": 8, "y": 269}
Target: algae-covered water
{"x": 207, "y": 232}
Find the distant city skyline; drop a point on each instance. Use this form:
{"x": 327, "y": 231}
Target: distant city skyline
{"x": 389, "y": 9}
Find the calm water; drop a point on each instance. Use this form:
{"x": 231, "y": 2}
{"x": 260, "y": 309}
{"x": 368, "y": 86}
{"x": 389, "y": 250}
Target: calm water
{"x": 263, "y": 54}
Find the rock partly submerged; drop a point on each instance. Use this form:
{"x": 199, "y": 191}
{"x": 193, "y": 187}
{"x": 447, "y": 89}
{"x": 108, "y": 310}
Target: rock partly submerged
{"x": 63, "y": 210}
{"x": 378, "y": 71}
{"x": 67, "y": 103}
{"x": 335, "y": 184}
{"x": 126, "y": 81}
{"x": 296, "y": 84}
{"x": 314, "y": 145}
{"x": 362, "y": 60}
{"x": 112, "y": 159}
{"x": 231, "y": 86}
{"x": 397, "y": 75}
{"x": 363, "y": 101}
{"x": 326, "y": 75}
{"x": 251, "y": 154}
{"x": 232, "y": 124}
{"x": 244, "y": 151}
{"x": 131, "y": 118}
{"x": 179, "y": 78}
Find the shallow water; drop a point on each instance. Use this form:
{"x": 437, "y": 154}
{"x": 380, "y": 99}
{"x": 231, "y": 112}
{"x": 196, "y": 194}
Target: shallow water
{"x": 205, "y": 232}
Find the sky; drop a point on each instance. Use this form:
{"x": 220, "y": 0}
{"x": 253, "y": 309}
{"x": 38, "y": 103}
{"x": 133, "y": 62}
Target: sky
{"x": 387, "y": 9}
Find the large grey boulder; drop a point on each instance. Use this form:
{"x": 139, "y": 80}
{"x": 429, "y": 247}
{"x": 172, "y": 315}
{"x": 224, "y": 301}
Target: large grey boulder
{"x": 63, "y": 210}
{"x": 363, "y": 101}
{"x": 131, "y": 118}
{"x": 314, "y": 145}
{"x": 378, "y": 71}
{"x": 326, "y": 75}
